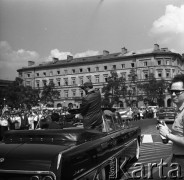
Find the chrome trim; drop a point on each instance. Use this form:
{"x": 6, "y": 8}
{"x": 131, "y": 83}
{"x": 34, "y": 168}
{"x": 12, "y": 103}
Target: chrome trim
{"x": 59, "y": 160}
{"x": 29, "y": 172}
{"x": 102, "y": 163}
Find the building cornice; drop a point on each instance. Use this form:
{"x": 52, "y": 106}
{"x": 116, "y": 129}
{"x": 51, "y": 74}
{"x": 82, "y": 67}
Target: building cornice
{"x": 98, "y": 59}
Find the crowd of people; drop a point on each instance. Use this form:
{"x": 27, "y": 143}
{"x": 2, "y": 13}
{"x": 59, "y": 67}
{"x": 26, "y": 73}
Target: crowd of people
{"x": 90, "y": 114}
{"x": 48, "y": 118}
{"x": 22, "y": 119}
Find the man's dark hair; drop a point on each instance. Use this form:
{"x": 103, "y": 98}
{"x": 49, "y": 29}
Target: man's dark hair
{"x": 178, "y": 78}
{"x": 55, "y": 117}
{"x": 87, "y": 84}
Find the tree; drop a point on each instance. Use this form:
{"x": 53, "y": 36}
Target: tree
{"x": 154, "y": 90}
{"x": 18, "y": 95}
{"x": 113, "y": 90}
{"x": 162, "y": 86}
{"x": 49, "y": 93}
{"x": 132, "y": 86}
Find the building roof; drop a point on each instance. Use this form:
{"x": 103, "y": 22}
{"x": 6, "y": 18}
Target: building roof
{"x": 4, "y": 83}
{"x": 98, "y": 58}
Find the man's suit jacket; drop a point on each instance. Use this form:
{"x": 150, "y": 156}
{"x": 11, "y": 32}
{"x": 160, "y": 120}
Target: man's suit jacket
{"x": 91, "y": 110}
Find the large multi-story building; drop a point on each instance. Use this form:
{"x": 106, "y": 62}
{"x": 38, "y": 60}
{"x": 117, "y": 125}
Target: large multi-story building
{"x": 67, "y": 74}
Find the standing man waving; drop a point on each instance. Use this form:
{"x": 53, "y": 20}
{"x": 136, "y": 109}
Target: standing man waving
{"x": 91, "y": 107}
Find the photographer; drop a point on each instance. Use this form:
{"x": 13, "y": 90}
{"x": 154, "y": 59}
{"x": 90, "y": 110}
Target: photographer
{"x": 176, "y": 135}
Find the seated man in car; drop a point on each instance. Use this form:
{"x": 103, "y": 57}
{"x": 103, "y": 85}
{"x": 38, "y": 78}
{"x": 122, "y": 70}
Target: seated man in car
{"x": 55, "y": 124}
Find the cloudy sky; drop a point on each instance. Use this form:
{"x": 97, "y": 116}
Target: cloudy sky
{"x": 41, "y": 29}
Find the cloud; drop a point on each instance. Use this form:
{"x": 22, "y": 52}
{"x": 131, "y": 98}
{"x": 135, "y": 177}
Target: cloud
{"x": 169, "y": 28}
{"x": 55, "y": 53}
{"x": 11, "y": 60}
{"x": 86, "y": 54}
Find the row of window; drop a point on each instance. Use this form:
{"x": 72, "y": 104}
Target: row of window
{"x": 73, "y": 80}
{"x": 80, "y": 80}
{"x": 74, "y": 93}
{"x": 97, "y": 69}
{"x": 73, "y": 71}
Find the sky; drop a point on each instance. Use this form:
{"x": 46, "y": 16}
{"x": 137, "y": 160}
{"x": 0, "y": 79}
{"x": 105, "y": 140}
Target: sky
{"x": 38, "y": 30}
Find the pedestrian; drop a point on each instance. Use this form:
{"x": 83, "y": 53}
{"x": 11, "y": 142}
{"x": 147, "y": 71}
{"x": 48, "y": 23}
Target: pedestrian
{"x": 176, "y": 135}
{"x": 31, "y": 121}
{"x": 90, "y": 108}
{"x": 24, "y": 121}
{"x": 11, "y": 121}
{"x": 36, "y": 119}
{"x": 3, "y": 126}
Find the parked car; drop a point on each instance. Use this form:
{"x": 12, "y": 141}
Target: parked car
{"x": 70, "y": 153}
{"x": 167, "y": 114}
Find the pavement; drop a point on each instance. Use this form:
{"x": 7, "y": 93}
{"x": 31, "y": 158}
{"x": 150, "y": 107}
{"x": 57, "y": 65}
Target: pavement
{"x": 153, "y": 155}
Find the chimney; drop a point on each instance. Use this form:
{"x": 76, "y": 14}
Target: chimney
{"x": 164, "y": 49}
{"x": 182, "y": 56}
{"x": 69, "y": 58}
{"x": 30, "y": 63}
{"x": 105, "y": 53}
{"x": 123, "y": 50}
{"x": 156, "y": 47}
{"x": 55, "y": 60}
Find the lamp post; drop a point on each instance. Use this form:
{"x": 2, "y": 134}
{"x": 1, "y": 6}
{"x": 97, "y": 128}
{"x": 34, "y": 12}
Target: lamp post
{"x": 39, "y": 103}
{"x": 4, "y": 101}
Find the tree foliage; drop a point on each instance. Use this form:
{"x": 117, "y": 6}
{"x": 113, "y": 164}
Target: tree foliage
{"x": 154, "y": 90}
{"x": 113, "y": 90}
{"x": 17, "y": 95}
{"x": 49, "y": 94}
{"x": 131, "y": 86}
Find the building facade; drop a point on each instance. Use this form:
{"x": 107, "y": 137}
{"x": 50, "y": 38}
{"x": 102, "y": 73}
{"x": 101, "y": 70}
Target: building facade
{"x": 68, "y": 74}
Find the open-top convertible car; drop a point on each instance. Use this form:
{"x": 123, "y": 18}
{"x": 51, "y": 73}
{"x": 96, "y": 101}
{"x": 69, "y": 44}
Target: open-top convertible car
{"x": 70, "y": 153}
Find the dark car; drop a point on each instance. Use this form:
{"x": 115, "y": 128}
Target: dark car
{"x": 167, "y": 114}
{"x": 70, "y": 153}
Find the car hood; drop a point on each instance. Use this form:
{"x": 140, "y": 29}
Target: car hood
{"x": 28, "y": 156}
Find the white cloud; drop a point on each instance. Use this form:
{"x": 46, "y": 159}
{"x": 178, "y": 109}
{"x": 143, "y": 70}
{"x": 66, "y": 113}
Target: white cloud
{"x": 86, "y": 54}
{"x": 57, "y": 54}
{"x": 169, "y": 28}
{"x": 171, "y": 22}
{"x": 11, "y": 60}
{"x": 63, "y": 55}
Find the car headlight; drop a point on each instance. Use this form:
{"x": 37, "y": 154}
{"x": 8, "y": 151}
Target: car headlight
{"x": 35, "y": 178}
{"x": 47, "y": 178}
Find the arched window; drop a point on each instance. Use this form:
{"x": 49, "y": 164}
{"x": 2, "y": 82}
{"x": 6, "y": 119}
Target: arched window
{"x": 59, "y": 105}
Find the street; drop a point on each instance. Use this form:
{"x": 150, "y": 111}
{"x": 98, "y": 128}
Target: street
{"x": 152, "y": 153}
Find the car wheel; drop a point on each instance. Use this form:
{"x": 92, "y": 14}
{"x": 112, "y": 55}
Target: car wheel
{"x": 137, "y": 155}
{"x": 101, "y": 175}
